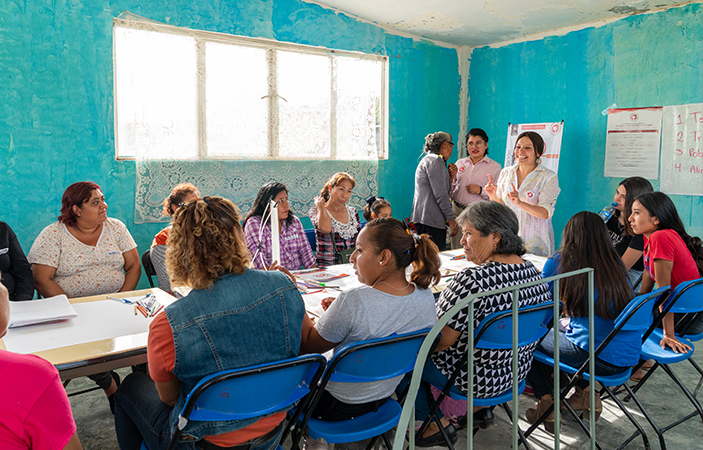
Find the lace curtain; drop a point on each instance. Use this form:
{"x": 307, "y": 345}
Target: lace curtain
{"x": 240, "y": 181}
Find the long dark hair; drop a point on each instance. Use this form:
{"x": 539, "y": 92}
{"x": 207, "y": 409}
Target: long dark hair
{"x": 586, "y": 244}
{"x": 420, "y": 251}
{"x": 659, "y": 205}
{"x": 634, "y": 187}
{"x": 268, "y": 192}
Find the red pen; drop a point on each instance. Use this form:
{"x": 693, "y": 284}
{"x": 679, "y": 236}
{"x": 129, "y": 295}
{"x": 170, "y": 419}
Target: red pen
{"x": 158, "y": 310}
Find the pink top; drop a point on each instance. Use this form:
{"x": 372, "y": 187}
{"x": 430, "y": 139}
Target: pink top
{"x": 470, "y": 173}
{"x": 668, "y": 245}
{"x": 35, "y": 412}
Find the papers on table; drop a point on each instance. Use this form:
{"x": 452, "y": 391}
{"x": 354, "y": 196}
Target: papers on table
{"x": 52, "y": 309}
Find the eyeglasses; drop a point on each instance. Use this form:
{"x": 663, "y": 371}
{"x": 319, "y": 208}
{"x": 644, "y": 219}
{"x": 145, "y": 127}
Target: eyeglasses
{"x": 475, "y": 144}
{"x": 450, "y": 143}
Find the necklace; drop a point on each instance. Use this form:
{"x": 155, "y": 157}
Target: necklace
{"x": 394, "y": 288}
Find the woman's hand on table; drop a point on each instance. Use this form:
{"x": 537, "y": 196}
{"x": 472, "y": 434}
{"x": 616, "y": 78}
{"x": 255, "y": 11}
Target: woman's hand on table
{"x": 326, "y": 302}
{"x": 490, "y": 189}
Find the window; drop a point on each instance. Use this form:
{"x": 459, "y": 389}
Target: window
{"x": 184, "y": 94}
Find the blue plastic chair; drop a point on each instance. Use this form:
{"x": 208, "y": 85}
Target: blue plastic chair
{"x": 637, "y": 316}
{"x": 494, "y": 332}
{"x": 310, "y": 234}
{"x": 361, "y": 362}
{"x": 250, "y": 391}
{"x": 687, "y": 298}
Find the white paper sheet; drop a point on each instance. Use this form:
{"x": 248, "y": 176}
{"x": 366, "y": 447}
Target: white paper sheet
{"x": 106, "y": 319}
{"x": 632, "y": 142}
{"x": 45, "y": 310}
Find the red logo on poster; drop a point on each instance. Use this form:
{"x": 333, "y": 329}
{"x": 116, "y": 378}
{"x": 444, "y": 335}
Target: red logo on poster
{"x": 555, "y": 128}
{"x": 634, "y": 117}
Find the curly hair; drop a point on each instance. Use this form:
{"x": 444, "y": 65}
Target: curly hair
{"x": 75, "y": 195}
{"x": 205, "y": 243}
{"x": 334, "y": 181}
{"x": 177, "y": 195}
{"x": 434, "y": 141}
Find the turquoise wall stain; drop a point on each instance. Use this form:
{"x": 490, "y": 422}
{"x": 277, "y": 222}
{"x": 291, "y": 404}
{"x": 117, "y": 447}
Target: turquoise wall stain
{"x": 57, "y": 105}
{"x": 644, "y": 60}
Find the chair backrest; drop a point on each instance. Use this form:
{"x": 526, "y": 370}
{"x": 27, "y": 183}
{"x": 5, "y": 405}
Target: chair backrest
{"x": 148, "y": 266}
{"x": 253, "y": 391}
{"x": 375, "y": 359}
{"x": 687, "y": 297}
{"x": 157, "y": 255}
{"x": 637, "y": 315}
{"x": 495, "y": 330}
{"x": 310, "y": 234}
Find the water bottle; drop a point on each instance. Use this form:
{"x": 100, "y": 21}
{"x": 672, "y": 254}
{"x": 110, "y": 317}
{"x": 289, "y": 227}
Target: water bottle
{"x": 607, "y": 212}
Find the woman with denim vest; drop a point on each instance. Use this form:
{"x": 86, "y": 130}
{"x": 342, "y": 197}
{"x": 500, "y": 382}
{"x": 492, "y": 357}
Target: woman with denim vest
{"x": 207, "y": 253}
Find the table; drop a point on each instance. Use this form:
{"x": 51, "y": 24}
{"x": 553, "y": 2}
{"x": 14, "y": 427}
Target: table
{"x": 101, "y": 355}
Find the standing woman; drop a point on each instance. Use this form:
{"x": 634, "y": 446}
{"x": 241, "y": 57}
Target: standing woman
{"x": 628, "y": 244}
{"x": 671, "y": 256}
{"x": 15, "y": 271}
{"x": 472, "y": 174}
{"x": 336, "y": 224}
{"x": 432, "y": 210}
{"x": 295, "y": 249}
{"x": 531, "y": 191}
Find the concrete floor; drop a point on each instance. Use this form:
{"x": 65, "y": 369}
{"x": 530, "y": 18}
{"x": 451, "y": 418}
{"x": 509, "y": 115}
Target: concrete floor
{"x": 665, "y": 402}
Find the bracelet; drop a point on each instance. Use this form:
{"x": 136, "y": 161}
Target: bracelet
{"x": 480, "y": 191}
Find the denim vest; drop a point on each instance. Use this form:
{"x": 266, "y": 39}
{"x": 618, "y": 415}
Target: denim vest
{"x": 243, "y": 320}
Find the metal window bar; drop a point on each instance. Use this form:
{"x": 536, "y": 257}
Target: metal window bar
{"x": 407, "y": 418}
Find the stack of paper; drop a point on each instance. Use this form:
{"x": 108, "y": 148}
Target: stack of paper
{"x": 52, "y": 309}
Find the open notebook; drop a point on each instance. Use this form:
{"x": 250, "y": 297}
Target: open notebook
{"x": 52, "y": 309}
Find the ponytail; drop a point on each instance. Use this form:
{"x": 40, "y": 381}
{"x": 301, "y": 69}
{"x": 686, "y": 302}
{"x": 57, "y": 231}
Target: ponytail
{"x": 695, "y": 246}
{"x": 374, "y": 206}
{"x": 391, "y": 234}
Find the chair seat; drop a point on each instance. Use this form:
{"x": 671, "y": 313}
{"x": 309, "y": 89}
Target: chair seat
{"x": 652, "y": 350}
{"x": 505, "y": 397}
{"x": 353, "y": 430}
{"x": 608, "y": 380}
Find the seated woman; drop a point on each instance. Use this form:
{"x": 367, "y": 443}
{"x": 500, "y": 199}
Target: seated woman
{"x": 296, "y": 253}
{"x": 336, "y": 224}
{"x": 585, "y": 244}
{"x": 16, "y": 271}
{"x": 85, "y": 253}
{"x": 180, "y": 195}
{"x": 387, "y": 303}
{"x": 377, "y": 208}
{"x": 671, "y": 256}
{"x": 490, "y": 239}
{"x": 238, "y": 308}
{"x": 36, "y": 413}
{"x": 628, "y": 244}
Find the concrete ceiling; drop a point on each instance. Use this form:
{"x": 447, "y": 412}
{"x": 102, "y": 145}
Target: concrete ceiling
{"x": 476, "y": 23}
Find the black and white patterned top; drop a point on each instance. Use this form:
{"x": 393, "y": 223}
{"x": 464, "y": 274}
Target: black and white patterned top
{"x": 492, "y": 368}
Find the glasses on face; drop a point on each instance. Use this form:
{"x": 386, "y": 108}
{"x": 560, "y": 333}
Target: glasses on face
{"x": 475, "y": 144}
{"x": 450, "y": 143}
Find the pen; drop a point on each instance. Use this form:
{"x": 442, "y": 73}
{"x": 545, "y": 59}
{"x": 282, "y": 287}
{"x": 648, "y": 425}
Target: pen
{"x": 458, "y": 257}
{"x": 141, "y": 310}
{"x": 135, "y": 310}
{"x": 158, "y": 310}
{"x": 121, "y": 300}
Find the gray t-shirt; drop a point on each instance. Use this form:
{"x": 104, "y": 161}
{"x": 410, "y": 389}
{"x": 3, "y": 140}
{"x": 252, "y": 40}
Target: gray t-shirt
{"x": 365, "y": 313}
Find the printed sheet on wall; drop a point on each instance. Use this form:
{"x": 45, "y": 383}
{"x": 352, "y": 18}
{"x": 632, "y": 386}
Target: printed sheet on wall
{"x": 551, "y": 132}
{"x": 632, "y": 142}
{"x": 682, "y": 150}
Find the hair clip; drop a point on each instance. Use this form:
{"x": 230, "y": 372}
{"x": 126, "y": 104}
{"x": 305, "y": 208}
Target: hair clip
{"x": 370, "y": 200}
{"x": 416, "y": 237}
{"x": 207, "y": 200}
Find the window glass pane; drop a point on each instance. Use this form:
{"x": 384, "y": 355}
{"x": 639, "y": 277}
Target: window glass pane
{"x": 358, "y": 108}
{"x": 155, "y": 95}
{"x": 236, "y": 100}
{"x": 304, "y": 88}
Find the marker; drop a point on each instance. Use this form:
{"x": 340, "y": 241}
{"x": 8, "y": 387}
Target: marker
{"x": 158, "y": 310}
{"x": 141, "y": 310}
{"x": 121, "y": 300}
{"x": 459, "y": 257}
{"x": 135, "y": 310}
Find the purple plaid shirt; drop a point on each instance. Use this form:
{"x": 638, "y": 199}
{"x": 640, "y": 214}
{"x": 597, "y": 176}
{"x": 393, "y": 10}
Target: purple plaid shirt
{"x": 296, "y": 253}
{"x": 324, "y": 252}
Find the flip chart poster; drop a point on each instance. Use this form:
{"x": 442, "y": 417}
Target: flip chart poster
{"x": 551, "y": 132}
{"x": 632, "y": 142}
{"x": 682, "y": 150}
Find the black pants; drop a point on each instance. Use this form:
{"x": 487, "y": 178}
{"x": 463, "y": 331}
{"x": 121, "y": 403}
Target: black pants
{"x": 333, "y": 410}
{"x": 438, "y": 235}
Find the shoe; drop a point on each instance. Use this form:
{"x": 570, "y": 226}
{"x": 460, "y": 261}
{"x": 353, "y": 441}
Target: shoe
{"x": 484, "y": 418}
{"x": 111, "y": 398}
{"x": 533, "y": 414}
{"x": 315, "y": 444}
{"x": 437, "y": 439}
{"x": 579, "y": 401}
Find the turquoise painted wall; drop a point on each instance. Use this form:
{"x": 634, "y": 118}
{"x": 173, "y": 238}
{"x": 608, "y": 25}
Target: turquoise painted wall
{"x": 643, "y": 60}
{"x": 57, "y": 105}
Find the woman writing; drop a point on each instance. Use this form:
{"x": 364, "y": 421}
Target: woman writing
{"x": 671, "y": 256}
{"x": 585, "y": 244}
{"x": 387, "y": 303}
{"x": 377, "y": 208}
{"x": 628, "y": 244}
{"x": 241, "y": 310}
{"x": 530, "y": 190}
{"x": 472, "y": 174}
{"x": 16, "y": 273}
{"x": 336, "y": 224}
{"x": 295, "y": 249}
{"x": 432, "y": 210}
{"x": 490, "y": 239}
{"x": 85, "y": 253}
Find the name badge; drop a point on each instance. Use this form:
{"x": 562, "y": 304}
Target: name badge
{"x": 114, "y": 252}
{"x": 4, "y": 250}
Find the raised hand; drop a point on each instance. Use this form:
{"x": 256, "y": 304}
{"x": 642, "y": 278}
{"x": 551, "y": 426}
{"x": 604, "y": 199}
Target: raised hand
{"x": 514, "y": 195}
{"x": 491, "y": 189}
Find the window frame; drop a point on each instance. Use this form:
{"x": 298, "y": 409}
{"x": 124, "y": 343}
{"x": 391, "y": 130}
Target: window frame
{"x": 270, "y": 46}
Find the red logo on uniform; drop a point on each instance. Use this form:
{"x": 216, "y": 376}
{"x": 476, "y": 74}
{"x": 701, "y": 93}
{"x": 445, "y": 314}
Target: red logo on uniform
{"x": 461, "y": 169}
{"x": 530, "y": 195}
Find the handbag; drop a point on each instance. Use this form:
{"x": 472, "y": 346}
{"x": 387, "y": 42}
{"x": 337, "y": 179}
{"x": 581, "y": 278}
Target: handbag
{"x": 340, "y": 257}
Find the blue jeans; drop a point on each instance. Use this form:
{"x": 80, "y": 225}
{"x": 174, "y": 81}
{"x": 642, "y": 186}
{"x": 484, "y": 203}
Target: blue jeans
{"x": 431, "y": 375}
{"x": 540, "y": 375}
{"x": 140, "y": 415}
